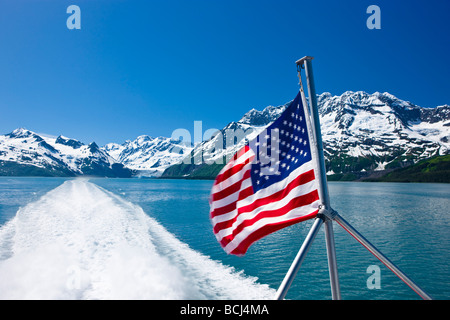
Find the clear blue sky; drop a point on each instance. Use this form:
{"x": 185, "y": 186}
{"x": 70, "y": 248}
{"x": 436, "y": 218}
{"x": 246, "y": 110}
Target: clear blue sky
{"x": 152, "y": 66}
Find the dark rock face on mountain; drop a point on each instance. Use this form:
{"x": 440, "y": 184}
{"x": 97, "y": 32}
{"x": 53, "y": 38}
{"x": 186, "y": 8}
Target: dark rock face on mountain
{"x": 149, "y": 156}
{"x": 25, "y": 153}
{"x": 361, "y": 133}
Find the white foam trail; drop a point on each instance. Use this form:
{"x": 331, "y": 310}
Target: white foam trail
{"x": 80, "y": 241}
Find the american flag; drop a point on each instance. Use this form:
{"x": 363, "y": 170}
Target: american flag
{"x": 268, "y": 185}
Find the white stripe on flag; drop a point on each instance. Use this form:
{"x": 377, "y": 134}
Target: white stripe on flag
{"x": 294, "y": 193}
{"x": 261, "y": 193}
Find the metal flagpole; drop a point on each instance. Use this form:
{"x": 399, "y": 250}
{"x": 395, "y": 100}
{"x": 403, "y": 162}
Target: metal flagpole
{"x": 331, "y": 215}
{"x": 290, "y": 275}
{"x": 325, "y": 209}
{"x": 347, "y": 227}
{"x": 295, "y": 266}
{"x": 327, "y": 214}
{"x": 321, "y": 171}
{"x": 324, "y": 196}
{"x": 332, "y": 262}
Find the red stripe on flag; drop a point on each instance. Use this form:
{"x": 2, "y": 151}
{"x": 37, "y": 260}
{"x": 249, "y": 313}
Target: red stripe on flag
{"x": 235, "y": 168}
{"x": 294, "y": 203}
{"x": 233, "y": 205}
{"x": 230, "y": 172}
{"x": 242, "y": 248}
{"x": 278, "y": 196}
{"x": 231, "y": 189}
{"x": 301, "y": 179}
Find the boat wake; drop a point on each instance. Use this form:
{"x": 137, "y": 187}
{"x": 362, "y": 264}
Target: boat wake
{"x": 80, "y": 241}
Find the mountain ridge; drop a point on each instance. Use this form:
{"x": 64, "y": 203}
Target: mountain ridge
{"x": 362, "y": 132}
{"x": 24, "y": 152}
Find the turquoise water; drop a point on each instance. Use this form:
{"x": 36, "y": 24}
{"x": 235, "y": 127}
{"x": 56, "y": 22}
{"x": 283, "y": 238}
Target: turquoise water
{"x": 16, "y": 192}
{"x": 407, "y": 222}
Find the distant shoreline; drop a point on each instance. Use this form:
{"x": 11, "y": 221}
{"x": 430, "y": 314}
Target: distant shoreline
{"x": 209, "y": 179}
{"x": 432, "y": 170}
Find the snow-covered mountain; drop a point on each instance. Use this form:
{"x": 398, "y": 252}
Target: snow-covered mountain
{"x": 148, "y": 156}
{"x": 24, "y": 152}
{"x": 227, "y": 141}
{"x": 361, "y": 132}
{"x": 377, "y": 131}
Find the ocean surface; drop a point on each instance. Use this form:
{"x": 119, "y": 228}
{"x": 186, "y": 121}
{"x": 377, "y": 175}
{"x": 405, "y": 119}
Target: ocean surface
{"x": 152, "y": 239}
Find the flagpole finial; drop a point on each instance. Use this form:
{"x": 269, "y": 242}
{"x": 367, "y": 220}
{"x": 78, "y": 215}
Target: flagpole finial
{"x": 302, "y": 60}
